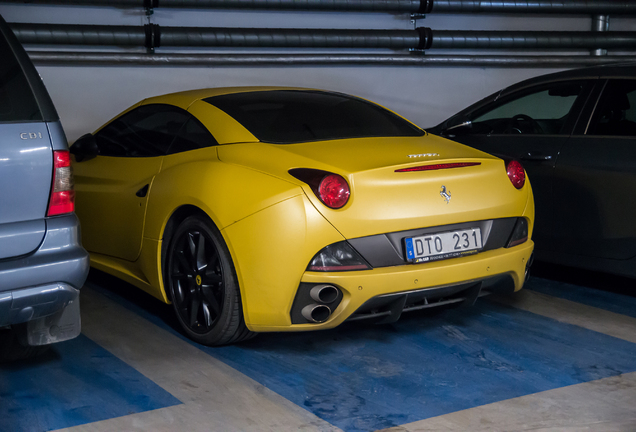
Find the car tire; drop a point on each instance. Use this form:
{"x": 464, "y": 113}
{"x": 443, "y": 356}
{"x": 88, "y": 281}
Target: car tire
{"x": 12, "y": 350}
{"x": 201, "y": 281}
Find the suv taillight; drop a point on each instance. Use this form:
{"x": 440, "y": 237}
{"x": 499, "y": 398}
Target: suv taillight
{"x": 62, "y": 194}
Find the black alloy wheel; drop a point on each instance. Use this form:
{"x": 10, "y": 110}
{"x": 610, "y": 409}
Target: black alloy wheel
{"x": 202, "y": 284}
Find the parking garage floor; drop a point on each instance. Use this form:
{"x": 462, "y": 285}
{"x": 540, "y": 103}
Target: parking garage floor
{"x": 556, "y": 356}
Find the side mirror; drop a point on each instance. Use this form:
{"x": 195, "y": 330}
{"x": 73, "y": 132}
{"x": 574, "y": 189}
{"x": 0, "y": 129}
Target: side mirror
{"x": 84, "y": 148}
{"x": 457, "y": 126}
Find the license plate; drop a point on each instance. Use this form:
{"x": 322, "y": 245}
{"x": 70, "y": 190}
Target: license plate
{"x": 433, "y": 247}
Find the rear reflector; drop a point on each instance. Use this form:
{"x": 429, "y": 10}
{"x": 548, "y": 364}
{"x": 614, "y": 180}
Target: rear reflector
{"x": 439, "y": 166}
{"x": 62, "y": 193}
{"x": 519, "y": 233}
{"x": 338, "y": 257}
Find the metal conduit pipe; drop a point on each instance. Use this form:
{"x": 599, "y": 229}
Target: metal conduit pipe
{"x": 454, "y": 39}
{"x": 62, "y": 34}
{"x": 293, "y": 38}
{"x": 586, "y": 7}
{"x": 140, "y": 59}
{"x": 152, "y": 36}
{"x": 412, "y": 6}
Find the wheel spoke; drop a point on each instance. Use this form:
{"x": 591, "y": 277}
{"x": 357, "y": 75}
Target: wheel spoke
{"x": 212, "y": 301}
{"x": 192, "y": 246}
{"x": 212, "y": 279}
{"x": 206, "y": 315}
{"x": 194, "y": 311}
{"x": 183, "y": 263}
{"x": 180, "y": 293}
{"x": 200, "y": 254}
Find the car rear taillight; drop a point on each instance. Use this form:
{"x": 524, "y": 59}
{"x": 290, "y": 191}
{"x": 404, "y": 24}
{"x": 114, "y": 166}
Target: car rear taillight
{"x": 332, "y": 189}
{"x": 516, "y": 174}
{"x": 62, "y": 193}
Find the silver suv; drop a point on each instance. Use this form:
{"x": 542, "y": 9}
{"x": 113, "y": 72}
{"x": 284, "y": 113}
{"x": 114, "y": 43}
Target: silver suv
{"x": 42, "y": 263}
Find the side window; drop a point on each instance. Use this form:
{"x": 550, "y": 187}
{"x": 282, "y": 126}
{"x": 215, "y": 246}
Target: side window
{"x": 193, "y": 135}
{"x": 144, "y": 132}
{"x": 616, "y": 112}
{"x": 540, "y": 111}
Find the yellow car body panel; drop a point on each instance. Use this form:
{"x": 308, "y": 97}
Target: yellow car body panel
{"x": 273, "y": 223}
{"x": 112, "y": 183}
{"x": 376, "y": 205}
{"x": 272, "y": 261}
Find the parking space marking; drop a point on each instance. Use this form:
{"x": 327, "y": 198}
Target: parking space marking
{"x": 74, "y": 383}
{"x": 605, "y": 405}
{"x": 215, "y": 396}
{"x": 365, "y": 378}
{"x": 570, "y": 312}
{"x": 612, "y": 302}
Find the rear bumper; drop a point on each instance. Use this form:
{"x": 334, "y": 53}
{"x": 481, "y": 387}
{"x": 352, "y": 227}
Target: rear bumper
{"x": 367, "y": 292}
{"x": 45, "y": 283}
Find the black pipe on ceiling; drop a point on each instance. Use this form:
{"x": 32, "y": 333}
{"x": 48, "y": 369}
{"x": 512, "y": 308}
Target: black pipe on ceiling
{"x": 53, "y": 58}
{"x": 459, "y": 39}
{"x": 154, "y": 36}
{"x": 573, "y": 7}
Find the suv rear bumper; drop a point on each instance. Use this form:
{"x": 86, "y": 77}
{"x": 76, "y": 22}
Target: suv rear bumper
{"x": 45, "y": 284}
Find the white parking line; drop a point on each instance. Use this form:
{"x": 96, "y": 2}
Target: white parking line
{"x": 566, "y": 311}
{"x": 215, "y": 397}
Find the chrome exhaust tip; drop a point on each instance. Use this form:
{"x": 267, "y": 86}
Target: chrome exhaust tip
{"x": 316, "y": 313}
{"x": 324, "y": 293}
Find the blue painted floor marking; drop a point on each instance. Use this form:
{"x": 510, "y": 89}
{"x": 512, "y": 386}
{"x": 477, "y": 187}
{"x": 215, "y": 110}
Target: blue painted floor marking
{"x": 76, "y": 382}
{"x": 613, "y": 302}
{"x": 365, "y": 378}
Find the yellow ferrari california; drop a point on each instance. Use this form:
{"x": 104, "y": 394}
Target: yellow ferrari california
{"x": 281, "y": 209}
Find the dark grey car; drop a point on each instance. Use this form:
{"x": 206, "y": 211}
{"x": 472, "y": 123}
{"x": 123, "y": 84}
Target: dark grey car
{"x": 42, "y": 264}
{"x": 575, "y": 133}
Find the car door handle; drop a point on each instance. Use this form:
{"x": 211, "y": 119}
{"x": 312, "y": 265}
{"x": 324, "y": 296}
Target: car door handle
{"x": 143, "y": 191}
{"x": 535, "y": 157}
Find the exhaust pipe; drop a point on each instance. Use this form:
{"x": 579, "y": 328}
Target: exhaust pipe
{"x": 316, "y": 313}
{"x": 324, "y": 293}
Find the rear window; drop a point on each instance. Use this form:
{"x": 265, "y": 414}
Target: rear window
{"x": 291, "y": 116}
{"x": 17, "y": 102}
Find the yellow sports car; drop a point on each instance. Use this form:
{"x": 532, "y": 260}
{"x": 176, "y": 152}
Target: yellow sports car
{"x": 280, "y": 209}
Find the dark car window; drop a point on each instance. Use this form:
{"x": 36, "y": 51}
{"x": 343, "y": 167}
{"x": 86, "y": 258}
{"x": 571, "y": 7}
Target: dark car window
{"x": 616, "y": 112}
{"x": 143, "y": 132}
{"x": 289, "y": 116}
{"x": 17, "y": 102}
{"x": 539, "y": 111}
{"x": 193, "y": 135}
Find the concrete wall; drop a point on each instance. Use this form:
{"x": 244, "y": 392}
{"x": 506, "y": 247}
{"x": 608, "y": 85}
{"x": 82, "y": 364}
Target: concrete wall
{"x": 88, "y": 96}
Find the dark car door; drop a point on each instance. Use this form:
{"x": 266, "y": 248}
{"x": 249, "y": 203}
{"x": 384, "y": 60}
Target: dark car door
{"x": 595, "y": 177}
{"x": 531, "y": 125}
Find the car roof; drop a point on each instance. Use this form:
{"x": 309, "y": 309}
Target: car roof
{"x": 184, "y": 99}
{"x": 612, "y": 70}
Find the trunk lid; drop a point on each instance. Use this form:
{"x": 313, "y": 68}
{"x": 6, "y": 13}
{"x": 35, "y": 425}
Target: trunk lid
{"x": 383, "y": 200}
